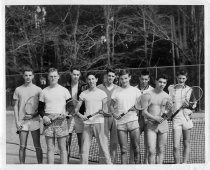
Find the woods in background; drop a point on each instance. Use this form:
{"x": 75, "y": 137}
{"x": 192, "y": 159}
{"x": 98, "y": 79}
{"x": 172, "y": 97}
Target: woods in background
{"x": 94, "y": 37}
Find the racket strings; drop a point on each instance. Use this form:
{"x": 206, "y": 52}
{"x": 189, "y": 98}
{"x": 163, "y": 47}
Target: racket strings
{"x": 31, "y": 105}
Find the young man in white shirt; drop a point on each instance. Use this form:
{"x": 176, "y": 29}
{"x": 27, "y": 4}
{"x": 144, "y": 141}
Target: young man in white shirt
{"x": 144, "y": 87}
{"x": 27, "y": 123}
{"x": 110, "y": 126}
{"x": 182, "y": 124}
{"x": 125, "y": 98}
{"x": 53, "y": 103}
{"x": 94, "y": 126}
{"x": 75, "y": 123}
{"x": 156, "y": 132}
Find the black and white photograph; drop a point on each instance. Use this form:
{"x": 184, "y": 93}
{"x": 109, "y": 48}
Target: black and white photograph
{"x": 105, "y": 83}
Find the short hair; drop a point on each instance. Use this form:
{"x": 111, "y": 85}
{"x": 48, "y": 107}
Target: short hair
{"x": 108, "y": 70}
{"x": 27, "y": 68}
{"x": 52, "y": 70}
{"x": 145, "y": 73}
{"x": 74, "y": 68}
{"x": 182, "y": 72}
{"x": 163, "y": 76}
{"x": 91, "y": 73}
{"x": 124, "y": 72}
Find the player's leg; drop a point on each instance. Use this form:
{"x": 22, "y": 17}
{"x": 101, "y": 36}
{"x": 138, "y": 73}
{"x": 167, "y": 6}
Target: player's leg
{"x": 106, "y": 133}
{"x": 123, "y": 140}
{"x": 131, "y": 158}
{"x": 68, "y": 144}
{"x": 36, "y": 140}
{"x": 79, "y": 127}
{"x": 62, "y": 148}
{"x": 113, "y": 139}
{"x": 61, "y": 132}
{"x": 23, "y": 135}
{"x": 151, "y": 139}
{"x": 176, "y": 140}
{"x": 186, "y": 141}
{"x": 98, "y": 130}
{"x": 70, "y": 124}
{"x": 85, "y": 143}
{"x": 135, "y": 140}
{"x": 50, "y": 141}
{"x": 162, "y": 140}
{"x": 145, "y": 145}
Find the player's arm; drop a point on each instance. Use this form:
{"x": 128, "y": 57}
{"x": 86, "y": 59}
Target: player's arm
{"x": 41, "y": 109}
{"x": 79, "y": 104}
{"x": 17, "y": 121}
{"x": 149, "y": 115}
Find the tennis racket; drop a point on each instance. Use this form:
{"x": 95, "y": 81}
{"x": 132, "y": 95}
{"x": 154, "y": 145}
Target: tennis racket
{"x": 70, "y": 107}
{"x": 166, "y": 109}
{"x": 31, "y": 108}
{"x": 141, "y": 103}
{"x": 105, "y": 108}
{"x": 189, "y": 99}
{"x": 54, "y": 117}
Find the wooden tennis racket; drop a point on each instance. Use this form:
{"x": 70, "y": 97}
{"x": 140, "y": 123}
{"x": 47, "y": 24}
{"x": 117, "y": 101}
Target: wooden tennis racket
{"x": 189, "y": 98}
{"x": 105, "y": 108}
{"x": 31, "y": 108}
{"x": 141, "y": 103}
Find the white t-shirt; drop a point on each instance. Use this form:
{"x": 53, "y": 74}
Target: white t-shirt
{"x": 22, "y": 94}
{"x": 178, "y": 96}
{"x": 145, "y": 90}
{"x": 125, "y": 98}
{"x": 55, "y": 99}
{"x": 93, "y": 103}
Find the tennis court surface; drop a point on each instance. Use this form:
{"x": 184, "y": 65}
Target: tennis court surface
{"x": 197, "y": 151}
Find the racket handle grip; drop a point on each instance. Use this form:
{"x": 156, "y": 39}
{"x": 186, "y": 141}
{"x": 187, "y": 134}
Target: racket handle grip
{"x": 164, "y": 115}
{"x": 123, "y": 114}
{"x": 89, "y": 116}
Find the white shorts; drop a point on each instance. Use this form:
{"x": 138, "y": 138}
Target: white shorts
{"x": 75, "y": 123}
{"x": 30, "y": 125}
{"x": 182, "y": 123}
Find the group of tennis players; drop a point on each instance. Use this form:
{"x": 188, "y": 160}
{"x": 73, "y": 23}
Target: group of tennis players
{"x": 110, "y": 129}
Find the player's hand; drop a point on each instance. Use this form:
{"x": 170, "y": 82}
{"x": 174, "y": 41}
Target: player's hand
{"x": 27, "y": 117}
{"x": 132, "y": 109}
{"x": 158, "y": 119}
{"x": 46, "y": 120}
{"x": 18, "y": 125}
{"x": 118, "y": 117}
{"x": 185, "y": 104}
{"x": 83, "y": 117}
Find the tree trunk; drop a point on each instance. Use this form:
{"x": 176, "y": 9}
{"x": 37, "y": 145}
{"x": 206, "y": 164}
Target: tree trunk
{"x": 107, "y": 10}
{"x": 145, "y": 36}
{"x": 172, "y": 49}
{"x": 75, "y": 34}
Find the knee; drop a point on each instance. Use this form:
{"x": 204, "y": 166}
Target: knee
{"x": 50, "y": 148}
{"x": 186, "y": 142}
{"x": 151, "y": 151}
{"x": 161, "y": 148}
{"x": 123, "y": 150}
{"x": 176, "y": 148}
{"x": 22, "y": 147}
{"x": 136, "y": 148}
